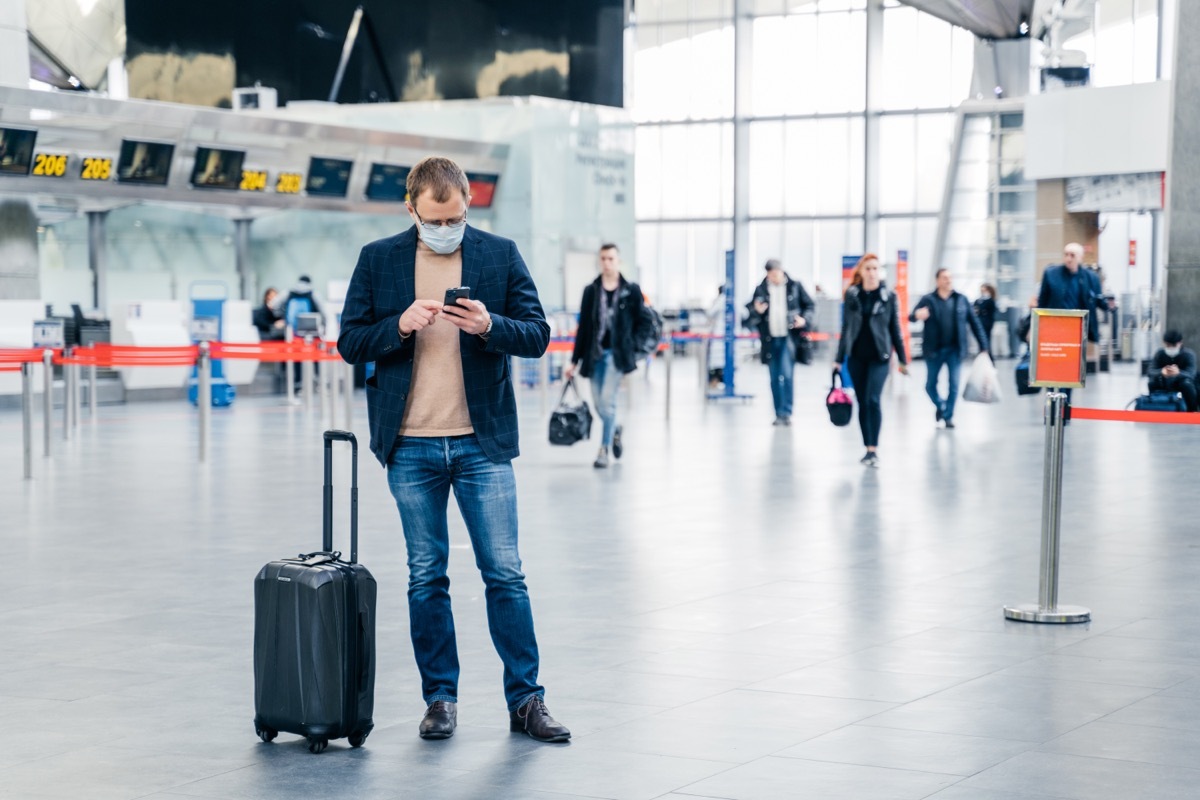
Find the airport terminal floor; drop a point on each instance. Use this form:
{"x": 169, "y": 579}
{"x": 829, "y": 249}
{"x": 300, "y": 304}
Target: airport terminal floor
{"x": 733, "y": 610}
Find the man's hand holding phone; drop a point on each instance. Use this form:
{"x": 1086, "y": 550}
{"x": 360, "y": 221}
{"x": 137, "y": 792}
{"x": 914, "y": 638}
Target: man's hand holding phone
{"x": 469, "y": 315}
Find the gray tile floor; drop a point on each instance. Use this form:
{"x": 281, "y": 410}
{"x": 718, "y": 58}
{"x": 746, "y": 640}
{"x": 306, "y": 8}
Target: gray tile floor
{"x": 732, "y": 611}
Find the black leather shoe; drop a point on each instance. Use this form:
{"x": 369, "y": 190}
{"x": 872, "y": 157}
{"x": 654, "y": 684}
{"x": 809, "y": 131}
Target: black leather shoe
{"x": 440, "y": 720}
{"x": 533, "y": 719}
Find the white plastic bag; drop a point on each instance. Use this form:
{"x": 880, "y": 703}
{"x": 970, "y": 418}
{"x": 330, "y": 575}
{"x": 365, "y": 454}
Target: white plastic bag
{"x": 983, "y": 384}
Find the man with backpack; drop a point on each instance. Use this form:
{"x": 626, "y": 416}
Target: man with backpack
{"x": 289, "y": 307}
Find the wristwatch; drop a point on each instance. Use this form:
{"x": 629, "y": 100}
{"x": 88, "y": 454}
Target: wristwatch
{"x": 488, "y": 330}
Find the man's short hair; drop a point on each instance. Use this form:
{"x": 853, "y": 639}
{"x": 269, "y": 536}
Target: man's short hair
{"x": 938, "y": 274}
{"x": 1076, "y": 248}
{"x": 609, "y": 246}
{"x": 773, "y": 263}
{"x": 440, "y": 176}
{"x": 1172, "y": 337}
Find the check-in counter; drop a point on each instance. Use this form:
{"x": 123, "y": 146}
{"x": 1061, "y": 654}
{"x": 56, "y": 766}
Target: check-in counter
{"x": 151, "y": 323}
{"x": 237, "y": 327}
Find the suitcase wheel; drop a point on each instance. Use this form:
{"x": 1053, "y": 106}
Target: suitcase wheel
{"x": 316, "y": 745}
{"x": 356, "y": 739}
{"x": 266, "y": 734}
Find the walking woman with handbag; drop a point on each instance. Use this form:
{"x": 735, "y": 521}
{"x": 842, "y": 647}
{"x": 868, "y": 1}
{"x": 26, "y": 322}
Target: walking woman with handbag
{"x": 870, "y": 332}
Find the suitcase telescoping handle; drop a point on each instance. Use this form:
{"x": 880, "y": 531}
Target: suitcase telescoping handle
{"x": 327, "y": 518}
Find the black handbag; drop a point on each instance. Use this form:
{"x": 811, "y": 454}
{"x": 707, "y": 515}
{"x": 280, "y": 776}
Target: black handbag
{"x": 570, "y": 422}
{"x": 803, "y": 344}
{"x": 838, "y": 403}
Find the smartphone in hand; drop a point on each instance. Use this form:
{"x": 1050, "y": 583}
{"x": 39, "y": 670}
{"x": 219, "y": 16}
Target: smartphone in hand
{"x": 452, "y": 295}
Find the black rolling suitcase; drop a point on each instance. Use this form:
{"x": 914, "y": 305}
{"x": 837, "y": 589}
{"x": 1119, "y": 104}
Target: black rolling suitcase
{"x": 314, "y": 635}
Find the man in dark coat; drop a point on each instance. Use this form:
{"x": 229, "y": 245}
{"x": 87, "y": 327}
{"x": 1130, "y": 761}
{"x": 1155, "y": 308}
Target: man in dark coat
{"x": 780, "y": 311}
{"x": 947, "y": 316}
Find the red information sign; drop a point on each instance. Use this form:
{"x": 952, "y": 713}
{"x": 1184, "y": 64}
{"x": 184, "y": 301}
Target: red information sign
{"x": 1056, "y": 344}
{"x": 1133, "y": 252}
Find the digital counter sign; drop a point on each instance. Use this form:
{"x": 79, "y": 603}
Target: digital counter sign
{"x": 16, "y": 151}
{"x": 483, "y": 189}
{"x": 50, "y": 165}
{"x": 328, "y": 177}
{"x": 145, "y": 162}
{"x": 217, "y": 169}
{"x": 388, "y": 183}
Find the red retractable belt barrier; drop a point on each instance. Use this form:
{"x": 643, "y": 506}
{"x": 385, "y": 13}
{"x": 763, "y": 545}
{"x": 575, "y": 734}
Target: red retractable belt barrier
{"x": 1112, "y": 415}
{"x": 122, "y": 355}
{"x": 22, "y": 355}
{"x": 295, "y": 350}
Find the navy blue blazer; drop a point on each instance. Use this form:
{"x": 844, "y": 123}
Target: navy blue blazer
{"x": 383, "y": 287}
{"x": 1079, "y": 290}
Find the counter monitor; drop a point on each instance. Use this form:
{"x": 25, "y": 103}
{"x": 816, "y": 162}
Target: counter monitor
{"x": 217, "y": 169}
{"x": 388, "y": 183}
{"x": 16, "y": 151}
{"x": 328, "y": 177}
{"x": 145, "y": 162}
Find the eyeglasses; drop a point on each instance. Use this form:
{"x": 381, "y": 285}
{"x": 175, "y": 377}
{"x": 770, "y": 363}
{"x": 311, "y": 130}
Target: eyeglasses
{"x": 433, "y": 224}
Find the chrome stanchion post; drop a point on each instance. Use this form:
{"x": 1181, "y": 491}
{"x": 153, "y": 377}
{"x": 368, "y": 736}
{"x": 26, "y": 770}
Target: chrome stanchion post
{"x": 76, "y": 394}
{"x": 544, "y": 378}
{"x": 319, "y": 376}
{"x": 204, "y": 397}
{"x": 289, "y": 375}
{"x": 92, "y": 391}
{"x": 47, "y": 398}
{"x": 666, "y": 367}
{"x": 306, "y": 376}
{"x": 27, "y": 416}
{"x": 66, "y": 373}
{"x": 1047, "y": 608}
{"x": 348, "y": 379}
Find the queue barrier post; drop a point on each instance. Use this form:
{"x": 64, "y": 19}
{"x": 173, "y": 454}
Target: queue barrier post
{"x": 76, "y": 394}
{"x": 1047, "y": 609}
{"x": 319, "y": 376}
{"x": 348, "y": 381}
{"x": 204, "y": 396}
{"x": 27, "y": 417}
{"x": 66, "y": 373}
{"x": 92, "y": 391}
{"x": 47, "y": 399}
{"x": 667, "y": 362}
{"x": 306, "y": 376}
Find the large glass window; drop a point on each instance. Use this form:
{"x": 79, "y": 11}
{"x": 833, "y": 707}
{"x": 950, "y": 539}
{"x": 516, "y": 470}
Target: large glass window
{"x": 927, "y": 63}
{"x": 683, "y": 71}
{"x": 809, "y": 63}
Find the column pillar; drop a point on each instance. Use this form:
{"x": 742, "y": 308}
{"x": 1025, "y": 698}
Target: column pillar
{"x": 1182, "y": 215}
{"x": 14, "y": 44}
{"x": 743, "y": 41}
{"x": 241, "y": 241}
{"x": 98, "y": 258}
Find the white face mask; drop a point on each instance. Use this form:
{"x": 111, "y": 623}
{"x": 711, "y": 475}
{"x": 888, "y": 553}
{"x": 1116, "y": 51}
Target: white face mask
{"x": 1172, "y": 351}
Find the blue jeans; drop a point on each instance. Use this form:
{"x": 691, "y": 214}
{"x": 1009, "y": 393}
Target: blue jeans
{"x": 782, "y": 366}
{"x": 952, "y": 360}
{"x": 606, "y": 381}
{"x": 421, "y": 473}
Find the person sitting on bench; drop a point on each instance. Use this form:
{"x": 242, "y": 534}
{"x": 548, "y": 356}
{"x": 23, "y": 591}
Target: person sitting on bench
{"x": 1173, "y": 369}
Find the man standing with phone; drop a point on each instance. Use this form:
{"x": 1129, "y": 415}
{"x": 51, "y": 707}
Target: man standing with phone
{"x": 443, "y": 416}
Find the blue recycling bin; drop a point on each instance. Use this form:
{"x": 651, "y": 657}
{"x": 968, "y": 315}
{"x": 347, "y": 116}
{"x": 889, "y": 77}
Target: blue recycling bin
{"x": 207, "y": 325}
